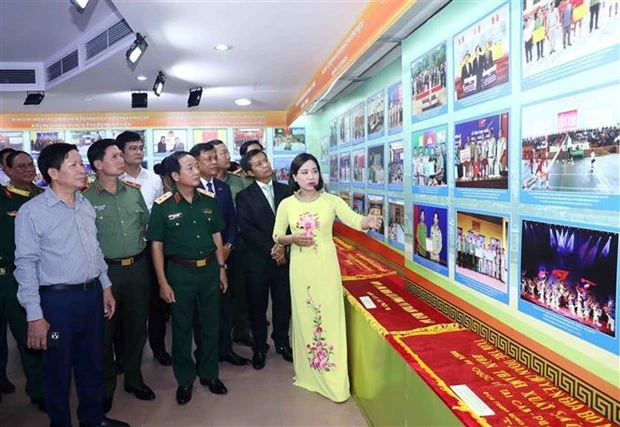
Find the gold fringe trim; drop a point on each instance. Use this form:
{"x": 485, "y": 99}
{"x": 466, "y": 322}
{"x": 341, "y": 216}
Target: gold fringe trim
{"x": 362, "y": 310}
{"x": 461, "y": 406}
{"x": 440, "y": 328}
{"x": 368, "y": 276}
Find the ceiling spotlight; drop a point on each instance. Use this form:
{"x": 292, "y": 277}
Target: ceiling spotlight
{"x": 194, "y": 97}
{"x": 34, "y": 98}
{"x": 139, "y": 99}
{"x": 141, "y": 78}
{"x": 80, "y": 5}
{"x": 137, "y": 48}
{"x": 222, "y": 47}
{"x": 158, "y": 87}
{"x": 242, "y": 102}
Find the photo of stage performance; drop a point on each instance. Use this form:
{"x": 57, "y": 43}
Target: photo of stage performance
{"x": 206, "y": 135}
{"x": 357, "y": 124}
{"x": 430, "y": 237}
{"x": 481, "y": 54}
{"x": 376, "y": 169}
{"x": 242, "y": 135}
{"x": 572, "y": 143}
{"x": 396, "y": 171}
{"x": 428, "y": 159}
{"x": 40, "y": 140}
{"x": 345, "y": 167}
{"x": 344, "y": 128}
{"x": 481, "y": 152}
{"x": 428, "y": 82}
{"x": 289, "y": 140}
{"x": 572, "y": 34}
{"x": 396, "y": 223}
{"x": 395, "y": 108}
{"x": 377, "y": 202}
{"x": 333, "y": 168}
{"x": 572, "y": 272}
{"x": 482, "y": 253}
{"x": 359, "y": 167}
{"x": 376, "y": 115}
{"x": 359, "y": 203}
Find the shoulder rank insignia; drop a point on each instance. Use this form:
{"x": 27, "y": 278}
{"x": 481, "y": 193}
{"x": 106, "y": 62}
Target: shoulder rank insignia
{"x": 132, "y": 184}
{"x": 205, "y": 192}
{"x": 15, "y": 190}
{"x": 161, "y": 199}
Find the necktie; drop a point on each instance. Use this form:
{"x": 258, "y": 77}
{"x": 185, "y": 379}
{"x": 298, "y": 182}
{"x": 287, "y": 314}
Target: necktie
{"x": 269, "y": 195}
{"x": 210, "y": 187}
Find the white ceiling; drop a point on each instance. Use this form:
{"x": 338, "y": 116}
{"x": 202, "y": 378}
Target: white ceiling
{"x": 277, "y": 47}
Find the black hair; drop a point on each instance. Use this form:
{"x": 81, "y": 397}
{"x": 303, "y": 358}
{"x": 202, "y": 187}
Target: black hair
{"x": 234, "y": 166}
{"x": 215, "y": 142}
{"x": 97, "y": 150}
{"x": 4, "y": 152}
{"x": 52, "y": 157}
{"x": 125, "y": 137}
{"x": 171, "y": 163}
{"x": 245, "y": 160}
{"x": 244, "y": 147}
{"x": 421, "y": 212}
{"x": 297, "y": 162}
{"x": 9, "y": 159}
{"x": 198, "y": 149}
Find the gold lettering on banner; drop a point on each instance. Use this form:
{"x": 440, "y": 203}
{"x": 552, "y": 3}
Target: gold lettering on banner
{"x": 408, "y": 308}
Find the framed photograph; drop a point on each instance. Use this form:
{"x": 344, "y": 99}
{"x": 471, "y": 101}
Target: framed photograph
{"x": 375, "y": 170}
{"x": 168, "y": 141}
{"x": 429, "y": 94}
{"x": 242, "y": 135}
{"x": 396, "y": 172}
{"x": 206, "y": 135}
{"x": 358, "y": 124}
{"x": 569, "y": 279}
{"x": 334, "y": 173}
{"x": 376, "y": 204}
{"x": 376, "y": 116}
{"x": 482, "y": 59}
{"x": 40, "y": 140}
{"x": 430, "y": 237}
{"x": 395, "y": 108}
{"x": 569, "y": 149}
{"x": 289, "y": 140}
{"x": 344, "y": 130}
{"x": 333, "y": 135}
{"x": 359, "y": 203}
{"x": 482, "y": 258}
{"x": 85, "y": 138}
{"x": 396, "y": 223}
{"x": 359, "y": 167}
{"x": 429, "y": 161}
{"x": 14, "y": 140}
{"x": 344, "y": 162}
{"x": 281, "y": 168}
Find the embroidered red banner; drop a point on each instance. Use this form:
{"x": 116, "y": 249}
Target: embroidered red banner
{"x": 355, "y": 265}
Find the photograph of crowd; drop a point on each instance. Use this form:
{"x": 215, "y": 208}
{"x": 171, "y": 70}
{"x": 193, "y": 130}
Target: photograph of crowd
{"x": 242, "y": 135}
{"x": 396, "y": 223}
{"x": 395, "y": 108}
{"x": 358, "y": 121}
{"x": 333, "y": 135}
{"x": 344, "y": 128}
{"x": 206, "y": 135}
{"x": 84, "y": 138}
{"x": 572, "y": 143}
{"x": 289, "y": 140}
{"x": 428, "y": 158}
{"x": 345, "y": 167}
{"x": 40, "y": 140}
{"x": 170, "y": 140}
{"x": 281, "y": 167}
{"x": 13, "y": 140}
{"x": 558, "y": 32}
{"x": 376, "y": 115}
{"x": 481, "y": 152}
{"x": 430, "y": 234}
{"x": 359, "y": 165}
{"x": 396, "y": 165}
{"x": 359, "y": 203}
{"x": 376, "y": 205}
{"x": 428, "y": 81}
{"x": 571, "y": 271}
{"x": 481, "y": 249}
{"x": 334, "y": 174}
{"x": 375, "y": 170}
{"x": 481, "y": 54}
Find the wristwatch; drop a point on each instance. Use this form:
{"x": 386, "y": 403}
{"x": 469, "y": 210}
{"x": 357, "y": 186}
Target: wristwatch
{"x": 224, "y": 266}
{"x": 230, "y": 246}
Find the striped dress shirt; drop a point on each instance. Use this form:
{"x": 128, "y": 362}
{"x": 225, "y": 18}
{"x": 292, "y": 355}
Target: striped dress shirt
{"x": 55, "y": 244}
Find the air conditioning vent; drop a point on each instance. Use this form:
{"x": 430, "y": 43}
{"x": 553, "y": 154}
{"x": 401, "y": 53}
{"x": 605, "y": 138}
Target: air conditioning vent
{"x": 70, "y": 62}
{"x": 106, "y": 39}
{"x": 54, "y": 71}
{"x": 17, "y": 77}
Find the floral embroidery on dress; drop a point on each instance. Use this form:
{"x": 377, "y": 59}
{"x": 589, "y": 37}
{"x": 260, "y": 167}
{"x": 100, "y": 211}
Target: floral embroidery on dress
{"x": 319, "y": 351}
{"x": 308, "y": 223}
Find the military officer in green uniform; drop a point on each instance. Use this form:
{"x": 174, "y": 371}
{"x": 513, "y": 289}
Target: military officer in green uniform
{"x": 236, "y": 182}
{"x": 122, "y": 217}
{"x": 20, "y": 168}
{"x": 185, "y": 226}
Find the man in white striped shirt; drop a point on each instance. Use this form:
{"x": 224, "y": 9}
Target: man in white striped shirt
{"x": 64, "y": 287}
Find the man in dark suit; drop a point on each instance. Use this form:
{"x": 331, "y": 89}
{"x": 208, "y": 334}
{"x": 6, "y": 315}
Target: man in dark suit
{"x": 207, "y": 162}
{"x": 266, "y": 265}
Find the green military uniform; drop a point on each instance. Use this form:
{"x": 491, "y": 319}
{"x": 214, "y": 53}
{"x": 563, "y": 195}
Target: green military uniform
{"x": 121, "y": 226}
{"x": 186, "y": 230}
{"x": 11, "y": 311}
{"x": 241, "y": 320}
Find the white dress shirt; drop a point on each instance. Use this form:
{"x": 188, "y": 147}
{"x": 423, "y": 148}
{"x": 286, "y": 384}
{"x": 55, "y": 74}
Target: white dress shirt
{"x": 150, "y": 185}
{"x": 268, "y": 192}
